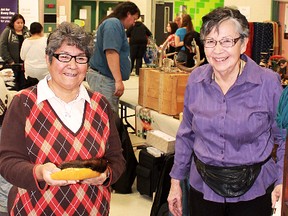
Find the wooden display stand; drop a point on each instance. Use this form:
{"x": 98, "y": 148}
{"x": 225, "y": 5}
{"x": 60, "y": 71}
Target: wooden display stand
{"x": 163, "y": 92}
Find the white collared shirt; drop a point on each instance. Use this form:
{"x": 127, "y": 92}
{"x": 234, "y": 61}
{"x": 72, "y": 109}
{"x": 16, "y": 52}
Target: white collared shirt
{"x": 71, "y": 113}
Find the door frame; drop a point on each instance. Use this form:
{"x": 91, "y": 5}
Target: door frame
{"x": 76, "y": 5}
{"x": 164, "y": 13}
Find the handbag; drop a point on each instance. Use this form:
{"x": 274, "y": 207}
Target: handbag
{"x": 229, "y": 182}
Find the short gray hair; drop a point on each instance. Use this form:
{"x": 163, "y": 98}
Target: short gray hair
{"x": 72, "y": 35}
{"x": 221, "y": 14}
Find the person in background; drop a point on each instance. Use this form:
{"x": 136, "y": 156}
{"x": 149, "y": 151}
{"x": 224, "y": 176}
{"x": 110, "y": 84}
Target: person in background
{"x": 11, "y": 39}
{"x": 137, "y": 36}
{"x": 186, "y": 26}
{"x": 110, "y": 64}
{"x": 169, "y": 43}
{"x": 4, "y": 190}
{"x": 228, "y": 131}
{"x": 178, "y": 21}
{"x": 194, "y": 50}
{"x": 194, "y": 56}
{"x": 59, "y": 120}
{"x": 33, "y": 54}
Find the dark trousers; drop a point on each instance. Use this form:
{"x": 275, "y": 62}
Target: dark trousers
{"x": 136, "y": 53}
{"x": 261, "y": 206}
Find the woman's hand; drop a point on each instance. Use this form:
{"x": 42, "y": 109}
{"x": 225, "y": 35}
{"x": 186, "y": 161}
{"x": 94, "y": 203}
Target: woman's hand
{"x": 175, "y": 198}
{"x": 43, "y": 173}
{"x": 276, "y": 194}
{"x": 97, "y": 180}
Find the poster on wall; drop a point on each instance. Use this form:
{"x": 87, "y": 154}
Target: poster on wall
{"x": 29, "y": 10}
{"x": 7, "y": 10}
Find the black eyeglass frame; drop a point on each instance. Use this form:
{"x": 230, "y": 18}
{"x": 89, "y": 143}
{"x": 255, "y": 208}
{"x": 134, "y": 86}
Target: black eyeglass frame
{"x": 235, "y": 40}
{"x": 56, "y": 55}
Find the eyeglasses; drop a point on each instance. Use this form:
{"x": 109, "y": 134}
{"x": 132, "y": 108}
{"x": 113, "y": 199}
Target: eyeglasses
{"x": 64, "y": 57}
{"x": 224, "y": 42}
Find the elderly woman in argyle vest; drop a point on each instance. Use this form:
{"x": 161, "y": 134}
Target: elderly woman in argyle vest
{"x": 56, "y": 121}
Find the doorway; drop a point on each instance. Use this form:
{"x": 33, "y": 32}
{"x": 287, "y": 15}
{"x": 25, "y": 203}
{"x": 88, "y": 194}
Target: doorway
{"x": 87, "y": 14}
{"x": 164, "y": 14}
{"x": 104, "y": 7}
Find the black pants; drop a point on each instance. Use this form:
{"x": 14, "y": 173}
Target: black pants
{"x": 261, "y": 206}
{"x": 136, "y": 53}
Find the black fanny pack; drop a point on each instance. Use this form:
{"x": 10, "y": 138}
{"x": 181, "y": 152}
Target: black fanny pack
{"x": 229, "y": 181}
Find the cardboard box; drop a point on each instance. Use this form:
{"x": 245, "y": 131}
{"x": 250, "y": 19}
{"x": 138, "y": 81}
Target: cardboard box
{"x": 163, "y": 92}
{"x": 161, "y": 141}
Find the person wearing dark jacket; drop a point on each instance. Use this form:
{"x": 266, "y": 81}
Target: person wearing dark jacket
{"x": 12, "y": 38}
{"x": 138, "y": 38}
{"x": 194, "y": 50}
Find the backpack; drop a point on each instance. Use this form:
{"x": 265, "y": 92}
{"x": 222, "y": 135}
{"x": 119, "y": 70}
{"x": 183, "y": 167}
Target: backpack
{"x": 126, "y": 180}
{"x": 160, "y": 204}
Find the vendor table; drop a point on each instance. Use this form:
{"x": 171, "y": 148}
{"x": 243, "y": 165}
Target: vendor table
{"x": 148, "y": 119}
{"x": 128, "y": 102}
{"x": 124, "y": 113}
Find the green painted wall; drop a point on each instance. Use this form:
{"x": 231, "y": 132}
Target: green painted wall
{"x": 197, "y": 9}
{"x": 49, "y": 15}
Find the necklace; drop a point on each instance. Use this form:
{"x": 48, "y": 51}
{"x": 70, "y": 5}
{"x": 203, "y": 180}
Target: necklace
{"x": 226, "y": 85}
{"x": 241, "y": 66}
{"x": 65, "y": 100}
{"x": 68, "y": 109}
{"x": 67, "y": 105}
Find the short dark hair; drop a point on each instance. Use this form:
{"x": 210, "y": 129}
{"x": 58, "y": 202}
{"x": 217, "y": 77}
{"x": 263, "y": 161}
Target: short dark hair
{"x": 14, "y": 18}
{"x": 36, "y": 28}
{"x": 72, "y": 35}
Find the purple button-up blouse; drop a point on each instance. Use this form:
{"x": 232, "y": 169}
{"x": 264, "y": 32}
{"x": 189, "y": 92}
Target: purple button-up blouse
{"x": 233, "y": 129}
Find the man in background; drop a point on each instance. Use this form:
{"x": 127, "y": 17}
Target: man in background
{"x": 110, "y": 64}
{"x": 138, "y": 38}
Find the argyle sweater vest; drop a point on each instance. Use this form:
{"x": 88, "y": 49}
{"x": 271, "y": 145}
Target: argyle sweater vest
{"x": 49, "y": 140}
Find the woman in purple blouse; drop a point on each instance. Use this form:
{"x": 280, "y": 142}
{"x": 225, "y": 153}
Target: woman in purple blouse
{"x": 228, "y": 131}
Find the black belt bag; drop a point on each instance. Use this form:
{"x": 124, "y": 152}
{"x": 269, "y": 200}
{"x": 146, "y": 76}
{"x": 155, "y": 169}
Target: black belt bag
{"x": 229, "y": 181}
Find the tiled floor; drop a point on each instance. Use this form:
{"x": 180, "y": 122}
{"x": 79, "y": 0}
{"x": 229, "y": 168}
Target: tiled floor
{"x": 132, "y": 204}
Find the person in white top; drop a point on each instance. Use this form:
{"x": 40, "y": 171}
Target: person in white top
{"x": 33, "y": 54}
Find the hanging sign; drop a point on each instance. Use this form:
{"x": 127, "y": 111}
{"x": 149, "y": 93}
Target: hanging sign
{"x": 7, "y": 10}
